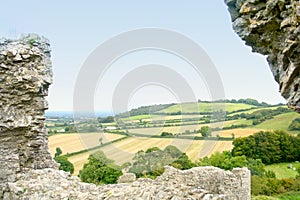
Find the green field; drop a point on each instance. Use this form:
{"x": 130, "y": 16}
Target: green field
{"x": 282, "y": 171}
{"x": 158, "y": 117}
{"x": 206, "y": 107}
{"x": 279, "y": 122}
{"x": 136, "y": 118}
{"x": 191, "y": 128}
{"x": 256, "y": 109}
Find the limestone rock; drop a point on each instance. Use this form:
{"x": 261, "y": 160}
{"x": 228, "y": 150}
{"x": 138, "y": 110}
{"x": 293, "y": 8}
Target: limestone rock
{"x": 23, "y": 85}
{"x": 272, "y": 28}
{"x": 127, "y": 178}
{"x": 197, "y": 183}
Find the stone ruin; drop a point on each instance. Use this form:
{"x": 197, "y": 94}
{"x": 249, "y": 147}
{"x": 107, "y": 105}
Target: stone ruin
{"x": 271, "y": 27}
{"x": 25, "y": 75}
{"x": 27, "y": 170}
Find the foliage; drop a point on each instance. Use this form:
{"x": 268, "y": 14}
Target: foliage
{"x": 166, "y": 134}
{"x": 262, "y": 115}
{"x": 270, "y": 147}
{"x": 88, "y": 128}
{"x": 58, "y": 152}
{"x": 183, "y": 162}
{"x": 295, "y": 125}
{"x": 100, "y": 170}
{"x": 150, "y": 163}
{"x": 108, "y": 119}
{"x": 226, "y": 161}
{"x": 205, "y": 131}
{"x": 65, "y": 164}
{"x": 272, "y": 186}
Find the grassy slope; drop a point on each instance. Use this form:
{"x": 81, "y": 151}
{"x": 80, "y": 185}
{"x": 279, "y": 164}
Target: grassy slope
{"x": 182, "y": 129}
{"x": 206, "y": 107}
{"x": 282, "y": 171}
{"x": 253, "y": 110}
{"x": 279, "y": 122}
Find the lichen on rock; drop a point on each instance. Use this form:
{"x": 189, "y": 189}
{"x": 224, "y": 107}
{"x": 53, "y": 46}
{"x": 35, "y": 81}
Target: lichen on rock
{"x": 271, "y": 27}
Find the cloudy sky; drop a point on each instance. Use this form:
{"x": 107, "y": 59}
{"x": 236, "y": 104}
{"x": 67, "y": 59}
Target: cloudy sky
{"x": 76, "y": 29}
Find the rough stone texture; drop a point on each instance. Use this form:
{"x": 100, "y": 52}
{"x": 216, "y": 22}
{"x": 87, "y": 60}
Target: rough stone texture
{"x": 27, "y": 170}
{"x": 127, "y": 178}
{"x": 198, "y": 183}
{"x": 25, "y": 74}
{"x": 271, "y": 27}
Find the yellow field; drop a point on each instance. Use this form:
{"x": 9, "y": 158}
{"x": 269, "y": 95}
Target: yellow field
{"x": 73, "y": 142}
{"x": 124, "y": 150}
{"x": 239, "y": 132}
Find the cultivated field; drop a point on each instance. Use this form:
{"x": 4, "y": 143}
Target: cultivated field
{"x": 182, "y": 129}
{"x": 124, "y": 150}
{"x": 238, "y": 132}
{"x": 73, "y": 142}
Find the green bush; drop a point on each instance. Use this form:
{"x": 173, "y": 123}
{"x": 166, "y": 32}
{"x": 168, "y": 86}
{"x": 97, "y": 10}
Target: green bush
{"x": 100, "y": 170}
{"x": 295, "y": 125}
{"x": 65, "y": 164}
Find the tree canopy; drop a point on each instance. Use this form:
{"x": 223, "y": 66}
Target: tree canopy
{"x": 270, "y": 147}
{"x": 100, "y": 170}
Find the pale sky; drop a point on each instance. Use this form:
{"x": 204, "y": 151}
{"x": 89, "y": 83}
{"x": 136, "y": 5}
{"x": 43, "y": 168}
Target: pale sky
{"x": 75, "y": 29}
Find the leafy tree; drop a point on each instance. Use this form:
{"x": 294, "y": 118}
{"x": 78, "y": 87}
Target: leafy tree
{"x": 173, "y": 151}
{"x": 165, "y": 134}
{"x": 183, "y": 162}
{"x": 295, "y": 125}
{"x": 108, "y": 119}
{"x": 65, "y": 164}
{"x": 58, "y": 152}
{"x": 205, "y": 131}
{"x": 100, "y": 170}
{"x": 225, "y": 160}
{"x": 270, "y": 147}
{"x": 150, "y": 163}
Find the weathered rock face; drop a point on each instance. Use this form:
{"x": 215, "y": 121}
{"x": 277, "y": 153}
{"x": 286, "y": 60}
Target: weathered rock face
{"x": 25, "y": 74}
{"x": 271, "y": 27}
{"x": 197, "y": 183}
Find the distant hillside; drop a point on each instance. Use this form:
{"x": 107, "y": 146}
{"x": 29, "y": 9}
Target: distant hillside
{"x": 202, "y": 107}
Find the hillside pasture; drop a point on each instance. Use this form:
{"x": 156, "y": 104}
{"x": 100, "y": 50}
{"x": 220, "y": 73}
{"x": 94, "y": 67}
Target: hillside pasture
{"x": 279, "y": 122}
{"x": 282, "y": 171}
{"x": 206, "y": 107}
{"x": 182, "y": 129}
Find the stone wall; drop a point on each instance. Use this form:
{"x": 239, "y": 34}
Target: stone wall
{"x": 208, "y": 183}
{"x": 25, "y": 74}
{"x": 27, "y": 170}
{"x": 271, "y": 27}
